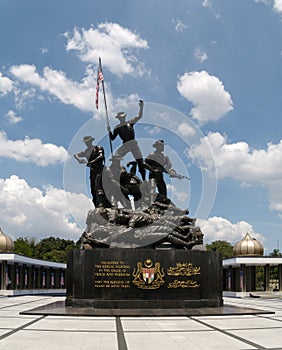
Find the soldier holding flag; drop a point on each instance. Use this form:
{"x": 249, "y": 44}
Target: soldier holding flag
{"x": 125, "y": 129}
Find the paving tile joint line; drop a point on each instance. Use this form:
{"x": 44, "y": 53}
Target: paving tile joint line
{"x": 21, "y": 327}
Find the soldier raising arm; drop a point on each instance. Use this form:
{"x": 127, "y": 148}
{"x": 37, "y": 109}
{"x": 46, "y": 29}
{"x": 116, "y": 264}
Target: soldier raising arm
{"x": 125, "y": 130}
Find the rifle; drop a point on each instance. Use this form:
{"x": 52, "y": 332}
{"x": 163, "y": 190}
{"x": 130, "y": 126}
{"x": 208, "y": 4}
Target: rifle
{"x": 162, "y": 169}
{"x": 89, "y": 164}
{"x": 178, "y": 176}
{"x": 149, "y": 165}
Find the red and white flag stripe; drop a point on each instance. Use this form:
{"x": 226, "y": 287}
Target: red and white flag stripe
{"x": 100, "y": 77}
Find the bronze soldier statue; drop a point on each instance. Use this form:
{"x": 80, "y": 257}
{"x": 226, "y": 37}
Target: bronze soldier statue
{"x": 125, "y": 130}
{"x": 130, "y": 182}
{"x": 83, "y": 156}
{"x": 110, "y": 227}
{"x": 158, "y": 163}
{"x": 112, "y": 179}
{"x": 94, "y": 158}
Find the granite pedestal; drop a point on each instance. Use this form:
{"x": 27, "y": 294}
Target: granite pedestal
{"x": 144, "y": 279}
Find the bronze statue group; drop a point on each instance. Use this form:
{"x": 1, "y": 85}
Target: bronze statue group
{"x": 117, "y": 191}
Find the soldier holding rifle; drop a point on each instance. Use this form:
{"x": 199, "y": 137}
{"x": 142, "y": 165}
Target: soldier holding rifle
{"x": 158, "y": 163}
{"x": 94, "y": 158}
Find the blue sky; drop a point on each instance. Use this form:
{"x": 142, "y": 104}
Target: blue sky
{"x": 210, "y": 75}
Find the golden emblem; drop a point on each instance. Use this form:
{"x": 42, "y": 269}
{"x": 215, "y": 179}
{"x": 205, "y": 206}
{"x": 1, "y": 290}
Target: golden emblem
{"x": 148, "y": 276}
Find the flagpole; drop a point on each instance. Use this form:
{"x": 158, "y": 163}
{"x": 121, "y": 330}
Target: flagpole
{"x": 106, "y": 108}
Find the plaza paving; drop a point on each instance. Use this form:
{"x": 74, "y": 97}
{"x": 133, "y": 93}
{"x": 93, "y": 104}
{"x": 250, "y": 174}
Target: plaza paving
{"x": 232, "y": 332}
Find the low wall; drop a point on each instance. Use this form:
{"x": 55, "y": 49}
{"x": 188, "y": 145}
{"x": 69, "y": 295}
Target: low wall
{"x": 17, "y": 292}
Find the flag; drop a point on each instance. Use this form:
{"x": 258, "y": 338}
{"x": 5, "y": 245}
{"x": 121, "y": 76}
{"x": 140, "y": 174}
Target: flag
{"x": 34, "y": 278}
{"x": 43, "y": 279}
{"x": 52, "y": 279}
{"x": 100, "y": 77}
{"x": 62, "y": 282}
{"x": 17, "y": 277}
{"x": 25, "y": 278}
{"x": 7, "y": 277}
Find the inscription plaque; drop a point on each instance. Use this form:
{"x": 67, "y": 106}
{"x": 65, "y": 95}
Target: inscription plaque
{"x": 144, "y": 278}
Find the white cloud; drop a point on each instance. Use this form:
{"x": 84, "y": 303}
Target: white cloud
{"x": 153, "y": 130}
{"x": 6, "y": 85}
{"x": 180, "y": 27}
{"x": 266, "y": 2}
{"x": 180, "y": 196}
{"x": 245, "y": 185}
{"x": 28, "y": 211}
{"x": 24, "y": 97}
{"x": 56, "y": 83}
{"x": 186, "y": 130}
{"x": 44, "y": 50}
{"x": 31, "y": 150}
{"x": 12, "y": 118}
{"x": 208, "y": 95}
{"x": 218, "y": 228}
{"x": 277, "y": 6}
{"x": 275, "y": 195}
{"x": 113, "y": 43}
{"x": 113, "y": 103}
{"x": 200, "y": 55}
{"x": 238, "y": 161}
{"x": 206, "y": 3}
{"x": 81, "y": 95}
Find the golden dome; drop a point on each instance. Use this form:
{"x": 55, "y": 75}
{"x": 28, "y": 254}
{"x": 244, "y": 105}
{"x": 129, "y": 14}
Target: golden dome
{"x": 248, "y": 246}
{"x": 6, "y": 243}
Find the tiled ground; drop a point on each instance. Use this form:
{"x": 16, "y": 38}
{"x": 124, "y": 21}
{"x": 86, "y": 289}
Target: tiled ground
{"x": 36, "y": 332}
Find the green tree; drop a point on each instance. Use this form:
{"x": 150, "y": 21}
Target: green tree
{"x": 55, "y": 255}
{"x": 276, "y": 253}
{"x": 54, "y": 249}
{"x": 224, "y": 247}
{"x": 274, "y": 272}
{"x": 51, "y": 248}
{"x": 25, "y": 246}
{"x": 259, "y": 277}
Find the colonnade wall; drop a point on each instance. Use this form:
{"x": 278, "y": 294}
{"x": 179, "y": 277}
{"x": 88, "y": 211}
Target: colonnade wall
{"x": 243, "y": 278}
{"x": 25, "y": 274}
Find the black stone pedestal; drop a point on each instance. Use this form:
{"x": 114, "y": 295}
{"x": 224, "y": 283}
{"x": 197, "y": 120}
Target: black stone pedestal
{"x": 144, "y": 279}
